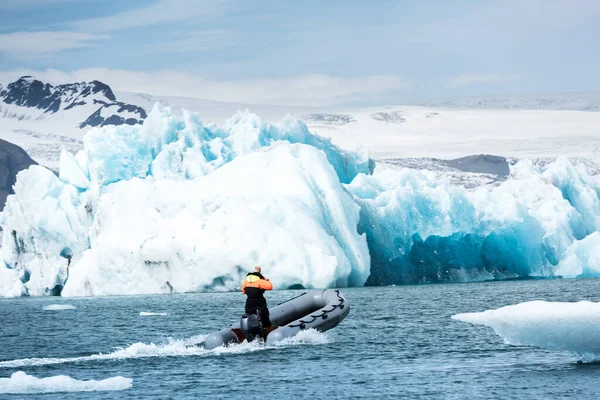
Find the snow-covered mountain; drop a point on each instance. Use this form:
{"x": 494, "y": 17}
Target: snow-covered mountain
{"x": 79, "y": 104}
{"x": 43, "y": 118}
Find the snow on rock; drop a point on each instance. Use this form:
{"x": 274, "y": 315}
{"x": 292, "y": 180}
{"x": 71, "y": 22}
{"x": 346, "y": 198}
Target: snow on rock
{"x": 569, "y": 327}
{"x": 425, "y": 230}
{"x": 21, "y": 383}
{"x": 177, "y": 206}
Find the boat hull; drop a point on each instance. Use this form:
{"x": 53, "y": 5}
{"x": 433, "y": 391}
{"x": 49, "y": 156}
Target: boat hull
{"x": 316, "y": 309}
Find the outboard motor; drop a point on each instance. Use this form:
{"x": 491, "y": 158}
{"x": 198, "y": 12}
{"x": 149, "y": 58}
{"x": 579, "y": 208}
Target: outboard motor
{"x": 251, "y": 327}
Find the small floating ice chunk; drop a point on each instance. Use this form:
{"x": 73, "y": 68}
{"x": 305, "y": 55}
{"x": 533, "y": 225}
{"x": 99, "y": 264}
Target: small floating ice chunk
{"x": 21, "y": 383}
{"x": 572, "y": 327}
{"x": 59, "y": 307}
{"x": 147, "y": 313}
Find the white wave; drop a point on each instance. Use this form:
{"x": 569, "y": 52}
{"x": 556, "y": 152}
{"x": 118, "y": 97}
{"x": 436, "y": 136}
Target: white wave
{"x": 21, "y": 383}
{"x": 309, "y": 336}
{"x": 137, "y": 350}
{"x": 59, "y": 307}
{"x": 148, "y": 313}
{"x": 195, "y": 340}
{"x": 571, "y": 327}
{"x": 173, "y": 348}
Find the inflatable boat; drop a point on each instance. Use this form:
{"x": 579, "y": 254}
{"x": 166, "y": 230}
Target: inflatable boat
{"x": 316, "y": 309}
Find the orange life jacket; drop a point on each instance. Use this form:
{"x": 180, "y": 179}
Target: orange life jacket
{"x": 255, "y": 284}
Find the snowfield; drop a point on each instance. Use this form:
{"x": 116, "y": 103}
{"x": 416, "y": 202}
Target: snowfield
{"x": 387, "y": 132}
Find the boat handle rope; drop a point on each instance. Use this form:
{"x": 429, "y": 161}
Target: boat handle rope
{"x": 302, "y": 324}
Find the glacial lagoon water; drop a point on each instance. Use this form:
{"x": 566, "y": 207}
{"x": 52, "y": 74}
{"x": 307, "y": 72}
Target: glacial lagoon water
{"x": 397, "y": 342}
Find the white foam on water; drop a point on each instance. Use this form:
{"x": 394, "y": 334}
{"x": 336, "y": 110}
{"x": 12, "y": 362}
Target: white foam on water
{"x": 572, "y": 327}
{"x": 173, "y": 348}
{"x": 59, "y": 307}
{"x": 309, "y": 336}
{"x": 195, "y": 340}
{"x": 148, "y": 313}
{"x": 21, "y": 383}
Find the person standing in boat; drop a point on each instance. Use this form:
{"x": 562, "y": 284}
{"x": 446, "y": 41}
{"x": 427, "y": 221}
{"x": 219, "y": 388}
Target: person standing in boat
{"x": 254, "y": 287}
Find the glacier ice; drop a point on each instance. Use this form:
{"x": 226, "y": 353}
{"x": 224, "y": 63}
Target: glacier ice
{"x": 177, "y": 206}
{"x": 424, "y": 230}
{"x": 174, "y": 205}
{"x": 559, "y": 326}
{"x": 59, "y": 307}
{"x": 283, "y": 208}
{"x": 167, "y": 146}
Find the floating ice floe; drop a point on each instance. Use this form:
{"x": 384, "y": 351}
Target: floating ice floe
{"x": 572, "y": 327}
{"x": 21, "y": 383}
{"x": 59, "y": 307}
{"x": 149, "y": 314}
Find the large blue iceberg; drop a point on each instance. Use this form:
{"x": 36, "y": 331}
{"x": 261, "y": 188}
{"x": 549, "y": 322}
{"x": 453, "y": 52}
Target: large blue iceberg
{"x": 421, "y": 230}
{"x": 175, "y": 206}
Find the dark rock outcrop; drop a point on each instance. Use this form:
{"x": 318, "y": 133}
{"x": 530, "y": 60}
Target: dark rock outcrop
{"x": 481, "y": 164}
{"x": 12, "y": 160}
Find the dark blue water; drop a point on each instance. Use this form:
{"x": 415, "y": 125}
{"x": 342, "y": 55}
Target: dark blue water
{"x": 396, "y": 342}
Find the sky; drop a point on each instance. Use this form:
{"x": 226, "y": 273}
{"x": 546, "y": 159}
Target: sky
{"x": 314, "y": 53}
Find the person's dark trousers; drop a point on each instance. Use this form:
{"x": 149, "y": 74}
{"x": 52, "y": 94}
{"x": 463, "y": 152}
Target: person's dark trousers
{"x": 253, "y": 304}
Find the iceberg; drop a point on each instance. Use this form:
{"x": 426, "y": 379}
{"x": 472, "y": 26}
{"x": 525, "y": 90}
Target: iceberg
{"x": 571, "y": 327}
{"x": 168, "y": 146}
{"x": 541, "y": 222}
{"x": 174, "y": 206}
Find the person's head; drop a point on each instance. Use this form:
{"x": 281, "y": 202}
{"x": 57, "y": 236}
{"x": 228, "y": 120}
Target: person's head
{"x": 257, "y": 269}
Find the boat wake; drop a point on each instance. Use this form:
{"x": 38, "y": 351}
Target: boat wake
{"x": 173, "y": 348}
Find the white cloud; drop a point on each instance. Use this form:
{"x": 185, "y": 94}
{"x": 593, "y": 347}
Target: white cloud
{"x": 195, "y": 40}
{"x": 43, "y": 42}
{"x": 473, "y": 79}
{"x": 307, "y": 90}
{"x": 20, "y": 4}
{"x": 160, "y": 12}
